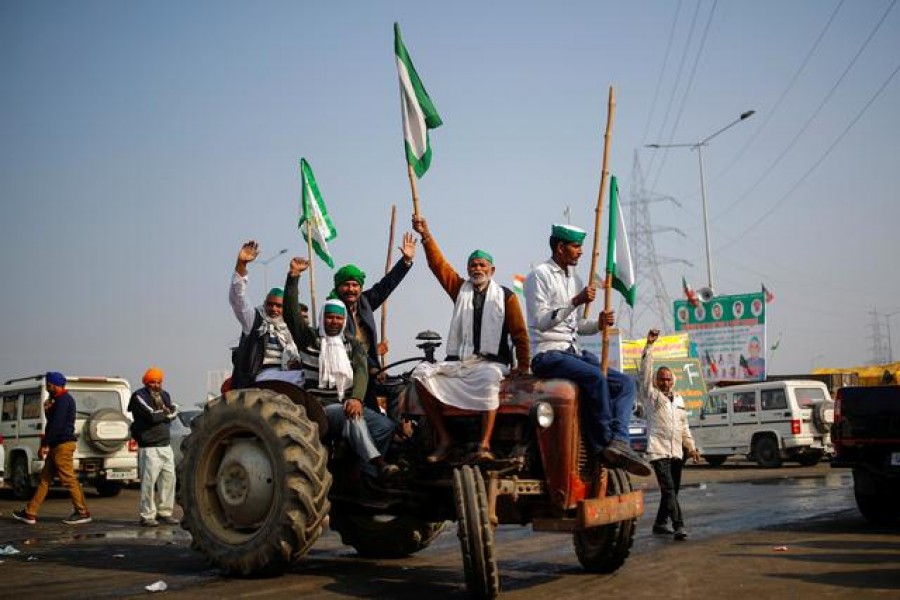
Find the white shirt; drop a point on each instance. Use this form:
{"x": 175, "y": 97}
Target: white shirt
{"x": 553, "y": 321}
{"x": 237, "y": 298}
{"x": 667, "y": 424}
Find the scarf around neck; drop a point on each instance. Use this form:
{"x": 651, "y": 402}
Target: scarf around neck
{"x": 335, "y": 370}
{"x": 275, "y": 326}
{"x": 460, "y": 339}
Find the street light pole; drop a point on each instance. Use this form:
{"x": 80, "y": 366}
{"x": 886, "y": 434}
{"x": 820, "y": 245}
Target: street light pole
{"x": 265, "y": 265}
{"x": 699, "y": 148}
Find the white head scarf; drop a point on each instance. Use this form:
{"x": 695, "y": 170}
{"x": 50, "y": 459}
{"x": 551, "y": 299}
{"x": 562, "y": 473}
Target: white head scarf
{"x": 334, "y": 364}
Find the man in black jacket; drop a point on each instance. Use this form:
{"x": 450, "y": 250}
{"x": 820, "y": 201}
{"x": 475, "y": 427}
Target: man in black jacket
{"x": 153, "y": 411}
{"x": 57, "y": 450}
{"x": 361, "y": 305}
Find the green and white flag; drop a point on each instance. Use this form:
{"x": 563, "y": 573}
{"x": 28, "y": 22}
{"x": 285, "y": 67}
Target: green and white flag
{"x": 316, "y": 214}
{"x": 419, "y": 114}
{"x": 618, "y": 254}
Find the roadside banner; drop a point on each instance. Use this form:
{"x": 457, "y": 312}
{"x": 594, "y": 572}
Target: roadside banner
{"x": 677, "y": 345}
{"x": 689, "y": 380}
{"x": 728, "y": 334}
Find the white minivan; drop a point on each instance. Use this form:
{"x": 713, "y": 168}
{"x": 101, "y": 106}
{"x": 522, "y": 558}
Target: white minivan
{"x": 105, "y": 454}
{"x": 767, "y": 422}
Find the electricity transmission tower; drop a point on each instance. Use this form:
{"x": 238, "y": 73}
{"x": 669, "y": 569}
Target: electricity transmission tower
{"x": 653, "y": 303}
{"x": 878, "y": 351}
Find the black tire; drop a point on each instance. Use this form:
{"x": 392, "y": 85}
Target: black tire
{"x": 383, "y": 536}
{"x": 101, "y": 421}
{"x": 716, "y": 460}
{"x": 876, "y": 499}
{"x": 766, "y": 452}
{"x": 22, "y": 484}
{"x": 254, "y": 482}
{"x": 604, "y": 549}
{"x": 476, "y": 535}
{"x": 811, "y": 458}
{"x": 108, "y": 489}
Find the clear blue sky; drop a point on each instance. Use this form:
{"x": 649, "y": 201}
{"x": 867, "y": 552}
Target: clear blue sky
{"x": 142, "y": 142}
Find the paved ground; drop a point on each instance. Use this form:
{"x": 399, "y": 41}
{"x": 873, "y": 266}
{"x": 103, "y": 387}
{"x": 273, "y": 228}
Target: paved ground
{"x": 826, "y": 550}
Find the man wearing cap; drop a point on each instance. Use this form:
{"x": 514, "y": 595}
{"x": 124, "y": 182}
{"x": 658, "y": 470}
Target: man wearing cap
{"x": 485, "y": 317}
{"x": 57, "y": 449}
{"x": 266, "y": 350}
{"x": 153, "y": 411}
{"x": 335, "y": 370}
{"x": 348, "y": 283}
{"x": 553, "y": 293}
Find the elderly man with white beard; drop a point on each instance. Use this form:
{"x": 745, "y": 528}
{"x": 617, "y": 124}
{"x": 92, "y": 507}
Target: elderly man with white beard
{"x": 487, "y": 325}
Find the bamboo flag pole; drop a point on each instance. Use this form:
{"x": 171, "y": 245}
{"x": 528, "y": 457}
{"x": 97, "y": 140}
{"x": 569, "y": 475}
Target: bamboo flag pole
{"x": 598, "y": 211}
{"x": 383, "y": 346}
{"x": 414, "y": 188}
{"x": 312, "y": 277}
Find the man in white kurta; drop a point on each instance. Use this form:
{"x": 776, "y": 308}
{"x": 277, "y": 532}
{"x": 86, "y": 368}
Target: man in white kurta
{"x": 670, "y": 436}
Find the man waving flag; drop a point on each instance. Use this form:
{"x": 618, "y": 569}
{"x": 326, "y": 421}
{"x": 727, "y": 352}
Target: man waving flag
{"x": 419, "y": 114}
{"x": 315, "y": 214}
{"x": 618, "y": 254}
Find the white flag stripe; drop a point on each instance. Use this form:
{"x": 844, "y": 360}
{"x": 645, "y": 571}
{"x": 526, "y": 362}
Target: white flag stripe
{"x": 414, "y": 130}
{"x": 624, "y": 268}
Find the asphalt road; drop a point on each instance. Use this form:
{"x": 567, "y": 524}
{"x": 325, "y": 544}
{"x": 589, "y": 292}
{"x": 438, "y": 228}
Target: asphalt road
{"x": 790, "y": 532}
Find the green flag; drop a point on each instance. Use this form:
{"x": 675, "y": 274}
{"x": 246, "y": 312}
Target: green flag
{"x": 419, "y": 114}
{"x": 618, "y": 254}
{"x": 315, "y": 213}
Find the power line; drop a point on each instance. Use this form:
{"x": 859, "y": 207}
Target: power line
{"x": 662, "y": 72}
{"x": 778, "y": 102}
{"x": 821, "y": 159}
{"x": 768, "y": 170}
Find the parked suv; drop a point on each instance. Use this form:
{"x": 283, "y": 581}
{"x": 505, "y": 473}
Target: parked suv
{"x": 105, "y": 455}
{"x": 768, "y": 422}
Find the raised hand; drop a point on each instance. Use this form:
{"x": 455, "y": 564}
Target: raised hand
{"x": 249, "y": 251}
{"x": 408, "y": 249}
{"x": 420, "y": 225}
{"x": 298, "y": 265}
{"x": 652, "y": 336}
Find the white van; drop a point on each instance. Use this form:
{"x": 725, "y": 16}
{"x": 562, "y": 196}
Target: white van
{"x": 768, "y": 422}
{"x": 105, "y": 454}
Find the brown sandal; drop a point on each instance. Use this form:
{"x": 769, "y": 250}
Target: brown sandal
{"x": 483, "y": 455}
{"x": 440, "y": 453}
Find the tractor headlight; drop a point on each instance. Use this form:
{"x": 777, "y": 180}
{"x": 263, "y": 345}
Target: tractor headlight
{"x": 543, "y": 413}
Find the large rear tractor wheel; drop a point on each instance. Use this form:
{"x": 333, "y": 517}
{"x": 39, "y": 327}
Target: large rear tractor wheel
{"x": 476, "y": 535}
{"x": 253, "y": 482}
{"x": 604, "y": 549}
{"x": 385, "y": 536}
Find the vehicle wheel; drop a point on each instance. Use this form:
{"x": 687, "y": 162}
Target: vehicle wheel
{"x": 476, "y": 535}
{"x": 23, "y": 488}
{"x": 875, "y": 499}
{"x": 808, "y": 459}
{"x": 766, "y": 452}
{"x": 107, "y": 430}
{"x": 385, "y": 536}
{"x": 604, "y": 549}
{"x": 108, "y": 489}
{"x": 254, "y": 482}
{"x": 716, "y": 460}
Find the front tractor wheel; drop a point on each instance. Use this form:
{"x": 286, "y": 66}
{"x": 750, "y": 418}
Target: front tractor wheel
{"x": 253, "y": 482}
{"x": 476, "y": 534}
{"x": 604, "y": 549}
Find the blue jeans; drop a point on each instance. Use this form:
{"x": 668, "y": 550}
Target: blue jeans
{"x": 369, "y": 435}
{"x": 607, "y": 402}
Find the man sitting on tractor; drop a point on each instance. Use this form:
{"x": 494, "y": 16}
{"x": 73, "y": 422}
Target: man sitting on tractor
{"x": 335, "y": 370}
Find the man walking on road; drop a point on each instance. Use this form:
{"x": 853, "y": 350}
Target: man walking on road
{"x": 153, "y": 411}
{"x": 670, "y": 436}
{"x": 57, "y": 449}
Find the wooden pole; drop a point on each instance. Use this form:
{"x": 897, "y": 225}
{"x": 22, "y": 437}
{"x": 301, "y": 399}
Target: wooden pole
{"x": 598, "y": 211}
{"x": 415, "y": 190}
{"x": 383, "y": 346}
{"x": 312, "y": 277}
{"x": 607, "y": 302}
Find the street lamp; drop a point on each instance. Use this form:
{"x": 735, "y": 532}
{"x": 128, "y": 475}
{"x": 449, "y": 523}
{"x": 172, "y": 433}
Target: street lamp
{"x": 699, "y": 147}
{"x": 265, "y": 265}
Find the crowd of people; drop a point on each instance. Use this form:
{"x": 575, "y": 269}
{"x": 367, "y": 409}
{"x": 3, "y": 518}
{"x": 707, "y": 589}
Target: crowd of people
{"x": 336, "y": 360}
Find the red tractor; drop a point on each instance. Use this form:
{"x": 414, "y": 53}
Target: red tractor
{"x": 258, "y": 479}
